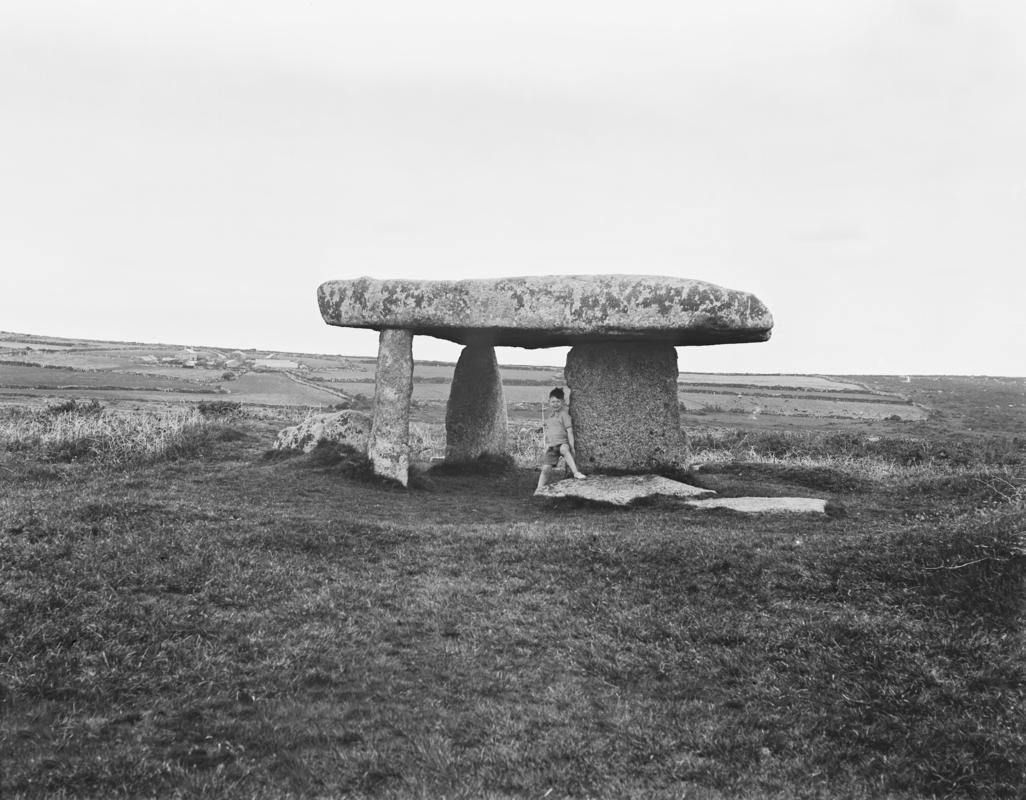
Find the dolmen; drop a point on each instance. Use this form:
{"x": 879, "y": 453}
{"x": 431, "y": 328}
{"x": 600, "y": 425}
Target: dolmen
{"x": 621, "y": 369}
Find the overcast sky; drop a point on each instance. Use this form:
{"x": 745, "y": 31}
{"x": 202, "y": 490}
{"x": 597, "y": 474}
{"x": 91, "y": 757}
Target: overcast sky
{"x": 189, "y": 172}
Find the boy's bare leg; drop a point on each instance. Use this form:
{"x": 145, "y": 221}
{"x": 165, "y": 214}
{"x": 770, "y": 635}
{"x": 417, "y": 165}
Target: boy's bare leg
{"x": 544, "y": 477}
{"x": 569, "y": 457}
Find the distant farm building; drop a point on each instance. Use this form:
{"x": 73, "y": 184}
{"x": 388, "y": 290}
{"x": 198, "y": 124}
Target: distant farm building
{"x": 275, "y": 363}
{"x": 209, "y": 357}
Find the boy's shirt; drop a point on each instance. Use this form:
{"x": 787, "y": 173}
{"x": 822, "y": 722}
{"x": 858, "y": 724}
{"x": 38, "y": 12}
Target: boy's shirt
{"x": 556, "y": 424}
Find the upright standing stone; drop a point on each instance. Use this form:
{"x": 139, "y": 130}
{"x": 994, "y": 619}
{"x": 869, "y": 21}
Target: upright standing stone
{"x": 623, "y": 403}
{"x": 389, "y": 447}
{"x": 475, "y": 416}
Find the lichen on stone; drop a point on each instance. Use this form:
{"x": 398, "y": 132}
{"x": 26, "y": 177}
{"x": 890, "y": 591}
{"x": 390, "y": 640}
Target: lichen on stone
{"x": 546, "y": 311}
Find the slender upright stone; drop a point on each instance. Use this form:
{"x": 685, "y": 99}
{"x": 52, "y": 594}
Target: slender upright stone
{"x": 475, "y": 416}
{"x": 389, "y": 446}
{"x": 623, "y": 403}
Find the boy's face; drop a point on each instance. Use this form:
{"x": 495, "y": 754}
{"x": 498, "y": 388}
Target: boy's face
{"x": 555, "y": 403}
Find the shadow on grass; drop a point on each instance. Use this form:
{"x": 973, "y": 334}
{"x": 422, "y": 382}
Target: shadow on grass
{"x": 486, "y": 464}
{"x": 335, "y": 458}
{"x": 823, "y": 479}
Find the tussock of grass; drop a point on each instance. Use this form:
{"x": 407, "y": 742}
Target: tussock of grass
{"x": 73, "y": 431}
{"x": 345, "y": 461}
{"x": 220, "y": 409}
{"x": 980, "y": 486}
{"x": 526, "y": 445}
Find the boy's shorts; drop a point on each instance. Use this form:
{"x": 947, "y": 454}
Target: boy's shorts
{"x": 551, "y": 455}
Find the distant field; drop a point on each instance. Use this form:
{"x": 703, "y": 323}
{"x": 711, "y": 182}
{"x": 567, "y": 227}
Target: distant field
{"x": 113, "y": 371}
{"x": 862, "y": 408}
{"x": 51, "y": 378}
{"x": 357, "y": 373}
{"x": 13, "y": 341}
{"x": 786, "y": 381}
{"x": 430, "y": 392}
{"x": 200, "y": 375}
{"x": 971, "y": 403}
{"x": 270, "y": 388}
{"x": 78, "y": 359}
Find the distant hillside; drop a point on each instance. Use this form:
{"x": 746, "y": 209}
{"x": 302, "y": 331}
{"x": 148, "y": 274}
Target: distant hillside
{"x": 36, "y": 368}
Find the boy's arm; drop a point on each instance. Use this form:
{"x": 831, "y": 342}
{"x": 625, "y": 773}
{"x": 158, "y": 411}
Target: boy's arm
{"x": 569, "y": 431}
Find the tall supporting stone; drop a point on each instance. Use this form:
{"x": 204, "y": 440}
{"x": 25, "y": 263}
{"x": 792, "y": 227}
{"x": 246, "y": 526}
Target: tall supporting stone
{"x": 389, "y": 446}
{"x": 475, "y": 416}
{"x": 623, "y": 403}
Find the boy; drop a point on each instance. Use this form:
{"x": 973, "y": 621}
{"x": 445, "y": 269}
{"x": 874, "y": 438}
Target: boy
{"x": 559, "y": 439}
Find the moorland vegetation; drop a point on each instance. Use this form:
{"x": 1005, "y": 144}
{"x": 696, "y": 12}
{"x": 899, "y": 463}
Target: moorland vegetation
{"x": 184, "y": 614}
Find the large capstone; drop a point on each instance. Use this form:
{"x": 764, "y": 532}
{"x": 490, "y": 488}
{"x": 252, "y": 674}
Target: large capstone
{"x": 389, "y": 449}
{"x": 546, "y": 311}
{"x": 475, "y": 416}
{"x": 624, "y": 407}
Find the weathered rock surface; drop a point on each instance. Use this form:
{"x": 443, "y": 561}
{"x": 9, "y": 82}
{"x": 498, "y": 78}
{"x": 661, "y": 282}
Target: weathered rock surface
{"x": 546, "y": 311}
{"x": 475, "y": 416}
{"x": 625, "y": 489}
{"x": 352, "y": 428}
{"x": 388, "y": 448}
{"x": 623, "y": 403}
{"x": 345, "y": 427}
{"x": 756, "y": 505}
{"x": 620, "y": 490}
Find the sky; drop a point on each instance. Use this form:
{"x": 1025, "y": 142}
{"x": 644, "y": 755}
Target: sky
{"x": 190, "y": 172}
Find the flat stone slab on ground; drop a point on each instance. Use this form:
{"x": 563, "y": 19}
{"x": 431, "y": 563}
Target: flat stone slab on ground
{"x": 620, "y": 490}
{"x": 755, "y": 505}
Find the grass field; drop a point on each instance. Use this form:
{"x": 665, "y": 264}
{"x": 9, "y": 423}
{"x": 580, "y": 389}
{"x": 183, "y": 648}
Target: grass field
{"x": 756, "y": 403}
{"x": 808, "y": 382}
{"x": 60, "y": 378}
{"x": 199, "y": 619}
{"x": 112, "y": 372}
